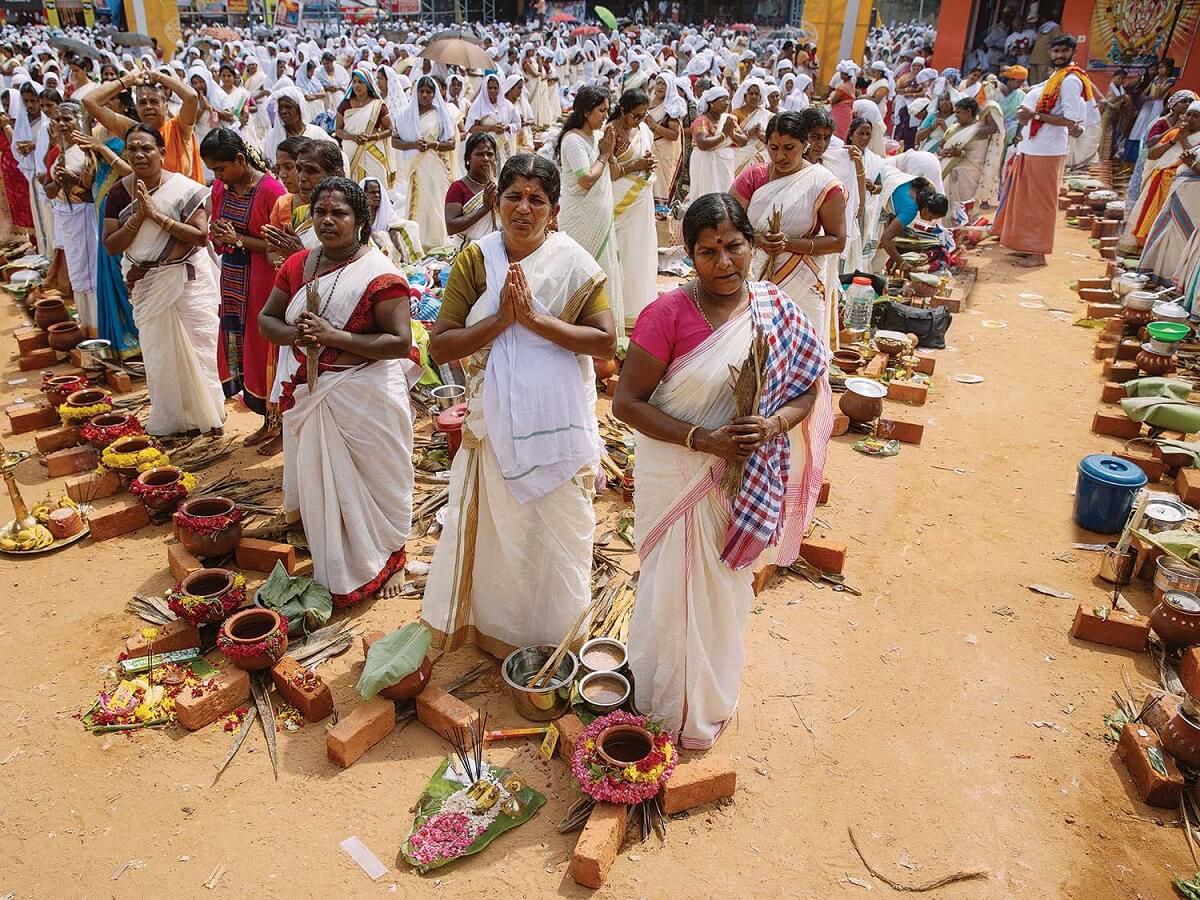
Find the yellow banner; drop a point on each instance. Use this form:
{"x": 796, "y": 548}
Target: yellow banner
{"x": 156, "y": 19}
{"x": 52, "y": 13}
{"x": 89, "y": 13}
{"x": 825, "y": 18}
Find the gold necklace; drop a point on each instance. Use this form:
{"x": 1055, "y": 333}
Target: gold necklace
{"x": 695, "y": 293}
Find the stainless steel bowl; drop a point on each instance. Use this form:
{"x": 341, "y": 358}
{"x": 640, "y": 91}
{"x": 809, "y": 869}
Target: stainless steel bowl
{"x": 618, "y": 682}
{"x": 544, "y": 703}
{"x": 610, "y": 644}
{"x": 94, "y": 352}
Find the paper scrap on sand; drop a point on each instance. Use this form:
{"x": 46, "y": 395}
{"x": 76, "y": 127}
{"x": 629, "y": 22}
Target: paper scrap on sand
{"x": 366, "y": 860}
{"x": 1050, "y": 592}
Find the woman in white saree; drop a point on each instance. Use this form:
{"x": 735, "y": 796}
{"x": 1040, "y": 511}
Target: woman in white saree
{"x": 491, "y": 112}
{"x": 471, "y": 201}
{"x": 587, "y": 190}
{"x": 525, "y": 308}
{"x": 750, "y": 110}
{"x": 715, "y": 139}
{"x": 697, "y": 544}
{"x": 971, "y": 155}
{"x": 633, "y": 174}
{"x": 665, "y": 119}
{"x": 426, "y": 138}
{"x": 157, "y": 219}
{"x": 365, "y": 129}
{"x": 238, "y": 106}
{"x": 347, "y": 440}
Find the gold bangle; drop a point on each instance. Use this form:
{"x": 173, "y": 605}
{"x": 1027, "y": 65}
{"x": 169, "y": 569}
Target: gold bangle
{"x": 687, "y": 441}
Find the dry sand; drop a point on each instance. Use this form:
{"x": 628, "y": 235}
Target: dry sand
{"x": 904, "y": 713}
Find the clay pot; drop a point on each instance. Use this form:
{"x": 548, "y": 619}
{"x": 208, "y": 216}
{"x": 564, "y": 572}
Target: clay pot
{"x": 623, "y": 745}
{"x": 208, "y": 544}
{"x": 1176, "y": 619}
{"x": 64, "y": 522}
{"x": 64, "y": 336}
{"x": 131, "y": 443}
{"x": 49, "y": 311}
{"x": 849, "y": 361}
{"x": 1136, "y": 318}
{"x": 1181, "y": 738}
{"x": 160, "y": 476}
{"x": 408, "y": 687}
{"x": 58, "y": 387}
{"x": 863, "y": 400}
{"x": 217, "y": 587}
{"x": 107, "y": 427}
{"x": 250, "y": 628}
{"x": 88, "y": 397}
{"x": 604, "y": 368}
{"x": 1154, "y": 363}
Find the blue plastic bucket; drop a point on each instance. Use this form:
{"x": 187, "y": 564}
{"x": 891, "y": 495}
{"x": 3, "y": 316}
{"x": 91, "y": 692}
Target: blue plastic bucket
{"x": 1104, "y": 492}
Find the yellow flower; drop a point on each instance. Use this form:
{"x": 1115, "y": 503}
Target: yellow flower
{"x": 143, "y": 713}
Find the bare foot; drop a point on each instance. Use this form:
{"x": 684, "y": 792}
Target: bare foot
{"x": 1032, "y": 261}
{"x": 392, "y": 587}
{"x": 258, "y": 437}
{"x": 272, "y": 445}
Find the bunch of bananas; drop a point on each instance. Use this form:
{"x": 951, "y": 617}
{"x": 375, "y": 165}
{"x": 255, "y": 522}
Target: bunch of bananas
{"x": 26, "y": 535}
{"x": 42, "y": 509}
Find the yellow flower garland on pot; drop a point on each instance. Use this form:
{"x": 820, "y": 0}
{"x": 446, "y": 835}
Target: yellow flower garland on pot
{"x": 141, "y": 459}
{"x": 72, "y": 415}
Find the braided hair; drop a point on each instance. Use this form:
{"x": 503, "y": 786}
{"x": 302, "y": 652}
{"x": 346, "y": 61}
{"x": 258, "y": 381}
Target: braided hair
{"x": 224, "y": 144}
{"x": 355, "y": 196}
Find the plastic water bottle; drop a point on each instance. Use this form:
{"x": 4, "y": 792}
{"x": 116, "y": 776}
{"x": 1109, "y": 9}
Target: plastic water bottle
{"x": 860, "y": 298}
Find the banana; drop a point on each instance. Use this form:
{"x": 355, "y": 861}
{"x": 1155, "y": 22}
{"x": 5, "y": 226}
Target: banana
{"x": 68, "y": 503}
{"x": 7, "y": 543}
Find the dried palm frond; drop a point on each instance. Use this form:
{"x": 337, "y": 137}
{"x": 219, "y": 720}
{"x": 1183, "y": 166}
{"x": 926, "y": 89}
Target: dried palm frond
{"x": 773, "y": 224}
{"x": 747, "y": 392}
{"x": 150, "y": 608}
{"x": 201, "y": 452}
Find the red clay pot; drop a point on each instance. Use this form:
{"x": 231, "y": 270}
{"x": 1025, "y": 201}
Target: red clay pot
{"x": 1181, "y": 738}
{"x": 206, "y": 545}
{"x": 64, "y": 336}
{"x": 624, "y": 745}
{"x": 409, "y": 687}
{"x": 49, "y": 311}
{"x": 250, "y": 627}
{"x": 1176, "y": 619}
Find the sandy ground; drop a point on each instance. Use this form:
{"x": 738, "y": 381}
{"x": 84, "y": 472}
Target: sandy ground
{"x": 904, "y": 713}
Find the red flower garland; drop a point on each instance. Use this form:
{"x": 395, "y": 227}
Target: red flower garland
{"x": 271, "y": 645}
{"x": 207, "y": 609}
{"x": 617, "y": 785}
{"x": 207, "y": 525}
{"x": 100, "y": 436}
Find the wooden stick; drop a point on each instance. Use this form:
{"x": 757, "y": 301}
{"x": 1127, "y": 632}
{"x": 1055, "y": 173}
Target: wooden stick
{"x": 965, "y": 875}
{"x": 552, "y": 664}
{"x": 312, "y": 353}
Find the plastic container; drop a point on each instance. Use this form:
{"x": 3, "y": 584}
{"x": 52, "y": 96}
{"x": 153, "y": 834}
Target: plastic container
{"x": 450, "y": 424}
{"x": 1104, "y": 492}
{"x": 860, "y": 299}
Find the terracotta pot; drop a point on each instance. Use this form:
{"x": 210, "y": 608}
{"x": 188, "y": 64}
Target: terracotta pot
{"x": 1181, "y": 738}
{"x": 849, "y": 361}
{"x": 204, "y": 544}
{"x": 131, "y": 443}
{"x": 160, "y": 476}
{"x": 409, "y": 687}
{"x": 623, "y": 745}
{"x": 604, "y": 368}
{"x": 64, "y": 522}
{"x": 63, "y": 336}
{"x": 253, "y": 628}
{"x": 862, "y": 400}
{"x": 1136, "y": 317}
{"x": 216, "y": 586}
{"x": 58, "y": 388}
{"x": 107, "y": 427}
{"x": 1154, "y": 363}
{"x": 1176, "y": 619}
{"x": 49, "y": 312}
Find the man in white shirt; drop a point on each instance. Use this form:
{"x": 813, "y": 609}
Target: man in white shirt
{"x": 1029, "y": 206}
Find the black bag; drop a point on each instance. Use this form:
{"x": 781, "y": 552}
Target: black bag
{"x": 929, "y": 325}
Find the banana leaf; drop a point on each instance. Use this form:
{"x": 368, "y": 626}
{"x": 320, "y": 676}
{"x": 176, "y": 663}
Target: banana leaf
{"x": 393, "y": 658}
{"x": 306, "y": 604}
{"x": 440, "y": 788}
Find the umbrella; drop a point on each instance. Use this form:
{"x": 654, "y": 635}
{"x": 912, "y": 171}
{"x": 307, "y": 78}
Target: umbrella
{"x": 79, "y": 48}
{"x": 584, "y": 31}
{"x": 130, "y": 39}
{"x": 741, "y": 26}
{"x": 606, "y": 16}
{"x": 458, "y": 35}
{"x": 560, "y": 17}
{"x": 458, "y": 52}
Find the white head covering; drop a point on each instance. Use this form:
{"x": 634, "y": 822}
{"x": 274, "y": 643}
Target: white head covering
{"x": 739, "y": 98}
{"x": 408, "y": 126}
{"x": 502, "y": 110}
{"x": 214, "y": 93}
{"x": 706, "y": 99}
{"x": 673, "y": 104}
{"x": 385, "y": 217}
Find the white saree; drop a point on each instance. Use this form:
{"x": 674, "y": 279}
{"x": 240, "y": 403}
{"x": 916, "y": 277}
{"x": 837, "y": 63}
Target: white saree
{"x": 347, "y": 447}
{"x": 372, "y": 159}
{"x": 669, "y": 155}
{"x": 428, "y": 181}
{"x": 175, "y": 309}
{"x": 973, "y": 175}
{"x": 637, "y": 240}
{"x": 505, "y": 573}
{"x": 755, "y": 151}
{"x": 711, "y": 171}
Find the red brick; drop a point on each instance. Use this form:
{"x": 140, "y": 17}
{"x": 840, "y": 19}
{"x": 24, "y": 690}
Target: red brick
{"x": 118, "y": 382}
{"x": 91, "y": 486}
{"x": 762, "y": 577}
{"x": 876, "y": 365}
{"x": 610, "y": 385}
{"x": 1187, "y": 486}
{"x": 1116, "y": 425}
{"x": 1189, "y": 671}
{"x": 76, "y": 357}
{"x": 1104, "y": 350}
{"x": 181, "y": 562}
{"x": 70, "y": 461}
{"x": 698, "y": 781}
{"x": 1128, "y": 349}
{"x": 30, "y": 339}
{"x": 1093, "y": 284}
{"x": 1103, "y": 310}
{"x": 118, "y": 518}
{"x": 841, "y": 424}
{"x": 1114, "y": 327}
{"x": 910, "y": 392}
{"x": 904, "y": 432}
{"x": 926, "y": 362}
{"x": 1120, "y": 371}
{"x": 177, "y": 635}
{"x": 304, "y": 567}
{"x": 443, "y": 712}
{"x": 314, "y": 703}
{"x": 599, "y": 843}
{"x": 1160, "y": 713}
{"x": 1118, "y": 629}
{"x": 823, "y": 497}
{"x": 26, "y": 417}
{"x": 825, "y": 555}
{"x": 1154, "y": 789}
{"x": 261, "y": 556}
{"x": 953, "y": 304}
{"x": 1148, "y": 464}
{"x": 358, "y": 732}
{"x": 230, "y": 690}
{"x": 1096, "y": 295}
{"x": 1113, "y": 392}
{"x": 569, "y": 729}
{"x": 59, "y": 438}
{"x": 38, "y": 359}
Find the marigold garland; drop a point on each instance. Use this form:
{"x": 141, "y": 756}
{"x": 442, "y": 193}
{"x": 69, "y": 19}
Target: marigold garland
{"x": 149, "y": 458}
{"x": 72, "y": 415}
{"x": 633, "y": 783}
{"x": 271, "y": 645}
{"x": 177, "y": 490}
{"x": 199, "y": 609}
